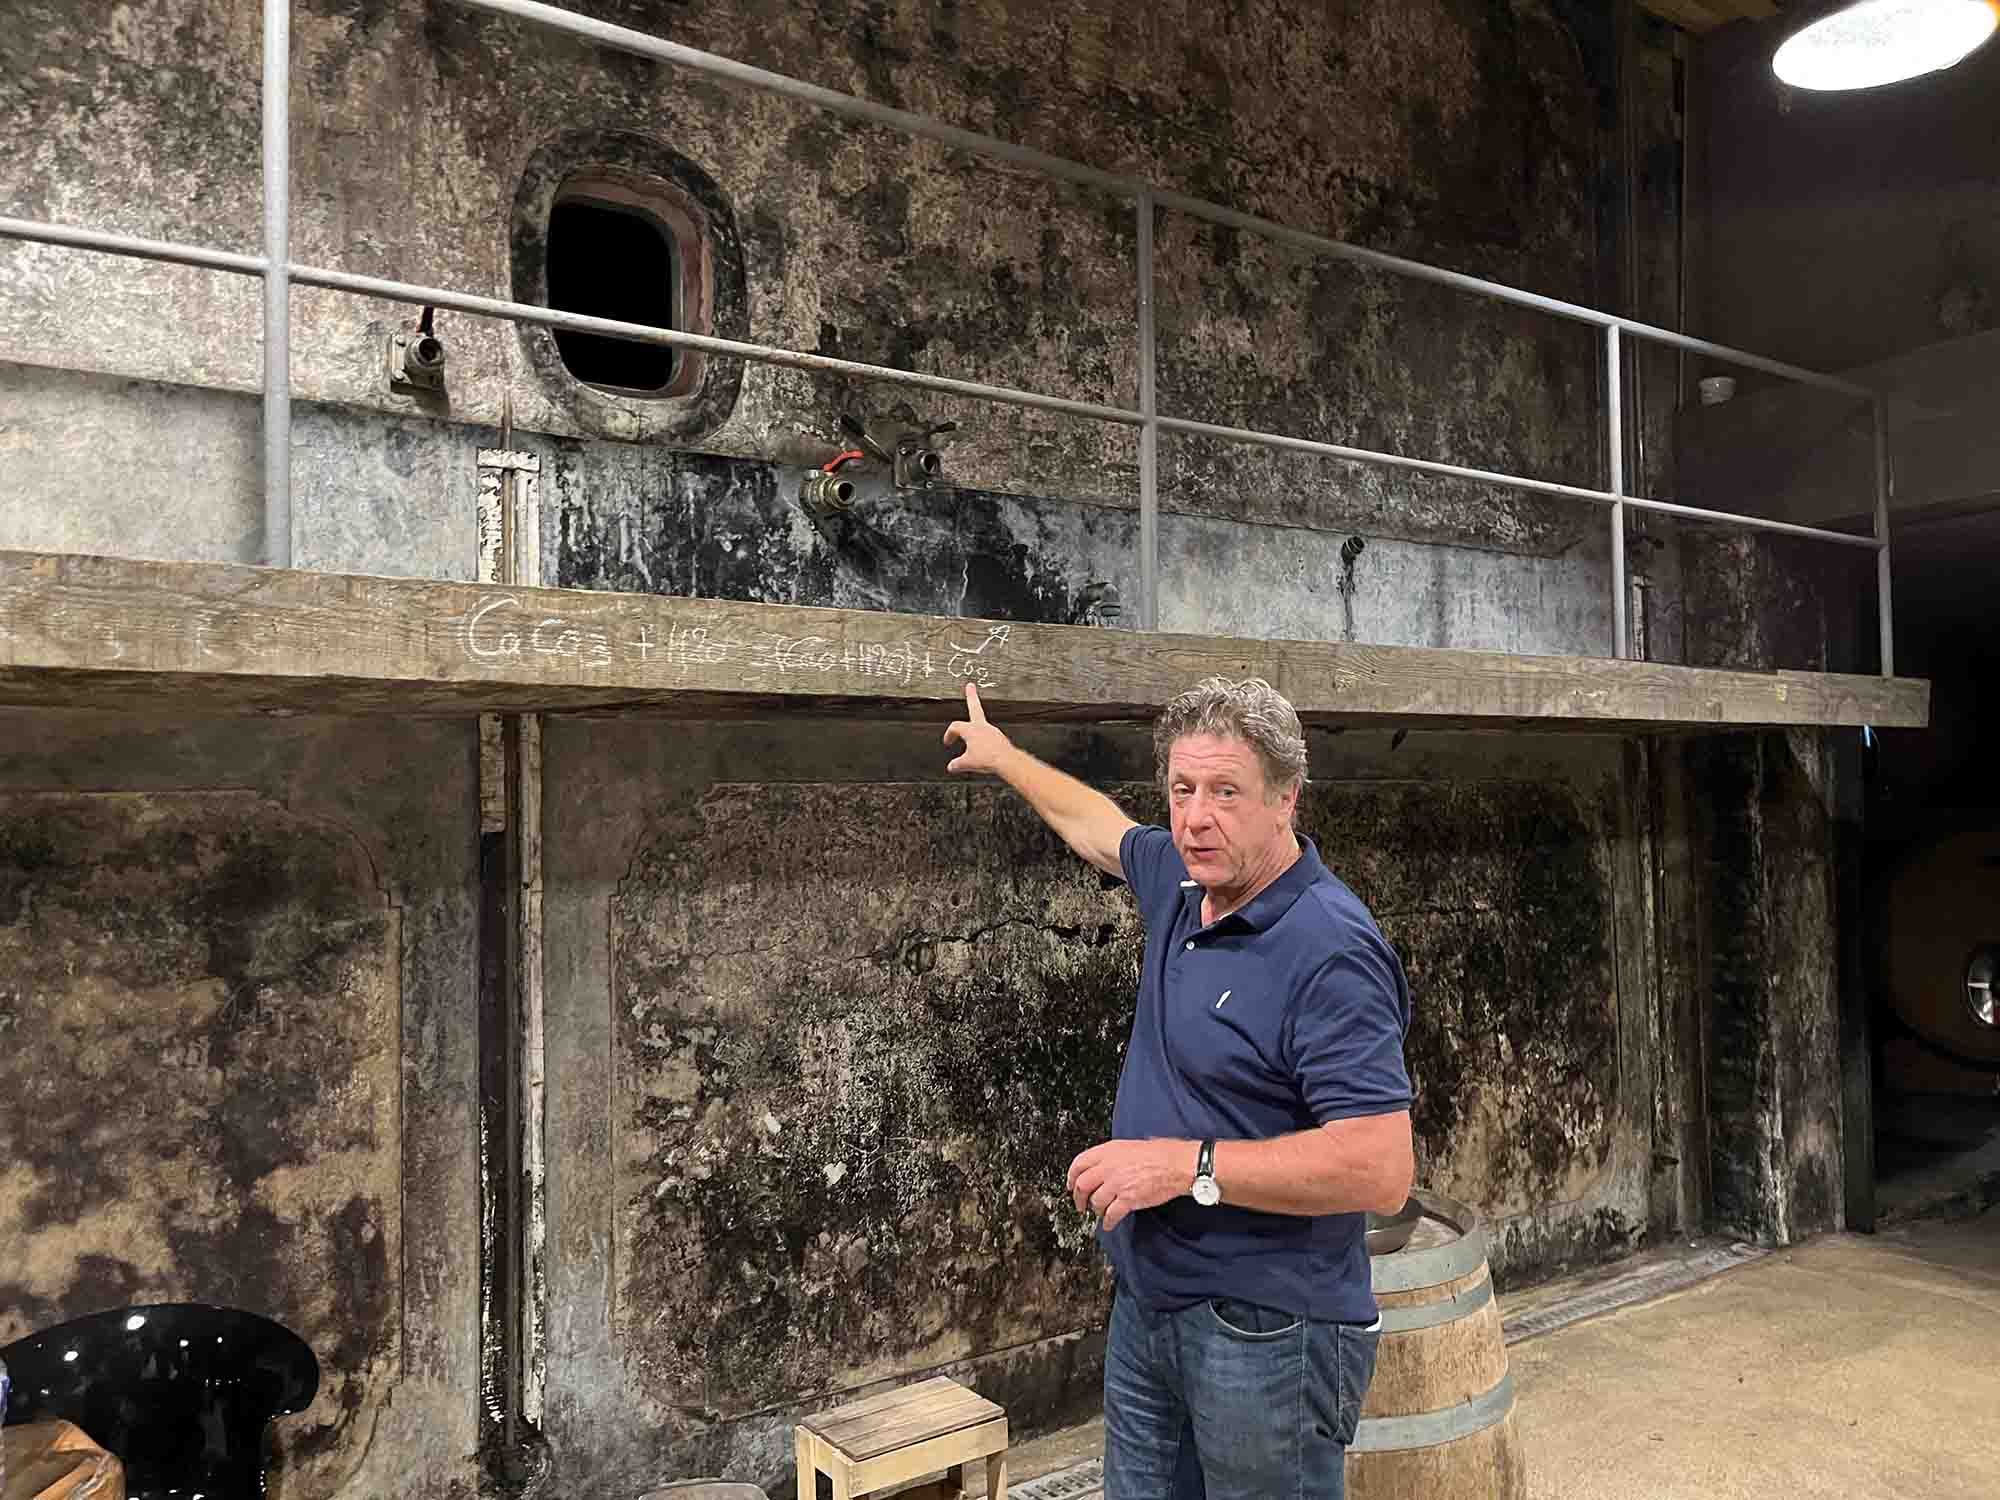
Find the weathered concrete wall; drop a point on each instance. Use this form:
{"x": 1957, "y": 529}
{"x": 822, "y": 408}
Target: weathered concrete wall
{"x": 1473, "y": 138}
{"x": 1762, "y": 816}
{"x": 751, "y": 928}
{"x": 235, "y": 980}
{"x": 103, "y": 464}
{"x": 397, "y": 495}
{"x": 407, "y": 159}
{"x": 831, "y": 1027}
{"x": 1774, "y": 1090}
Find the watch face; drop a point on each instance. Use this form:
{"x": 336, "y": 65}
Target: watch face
{"x": 1207, "y": 1191}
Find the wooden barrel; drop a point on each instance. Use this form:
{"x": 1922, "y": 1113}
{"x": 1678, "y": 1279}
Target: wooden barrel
{"x": 1438, "y": 1423}
{"x": 1941, "y": 910}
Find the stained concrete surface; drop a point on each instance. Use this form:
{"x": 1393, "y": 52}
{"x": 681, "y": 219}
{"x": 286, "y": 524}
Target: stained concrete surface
{"x": 1848, "y": 1366}
{"x": 827, "y": 1024}
{"x": 236, "y": 1057}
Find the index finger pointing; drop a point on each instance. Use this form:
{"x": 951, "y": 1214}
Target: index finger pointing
{"x": 972, "y": 704}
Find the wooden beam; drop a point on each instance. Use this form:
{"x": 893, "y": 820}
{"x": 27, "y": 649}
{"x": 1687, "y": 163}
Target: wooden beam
{"x": 1705, "y": 15}
{"x": 96, "y": 632}
{"x": 1689, "y": 15}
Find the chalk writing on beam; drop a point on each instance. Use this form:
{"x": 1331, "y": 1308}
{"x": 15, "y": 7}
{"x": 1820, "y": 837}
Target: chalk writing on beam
{"x": 491, "y": 638}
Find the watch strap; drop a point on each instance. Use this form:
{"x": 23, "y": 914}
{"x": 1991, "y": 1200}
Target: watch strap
{"x": 1204, "y": 1162}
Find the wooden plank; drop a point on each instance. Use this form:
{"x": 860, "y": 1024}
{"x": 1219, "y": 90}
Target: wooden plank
{"x": 910, "y": 1422}
{"x": 914, "y": 1414}
{"x": 826, "y": 1422}
{"x": 920, "y": 1414}
{"x": 1689, "y": 15}
{"x": 900, "y": 1465}
{"x": 110, "y": 633}
{"x": 915, "y": 1427}
{"x": 805, "y": 1466}
{"x": 1705, "y": 15}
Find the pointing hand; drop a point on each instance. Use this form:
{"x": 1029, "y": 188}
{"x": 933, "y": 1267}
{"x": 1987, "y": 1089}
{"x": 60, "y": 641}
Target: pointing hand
{"x": 984, "y": 745}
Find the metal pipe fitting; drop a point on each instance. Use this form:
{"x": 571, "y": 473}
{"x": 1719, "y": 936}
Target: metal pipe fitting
{"x": 427, "y": 356}
{"x": 917, "y": 468}
{"x": 824, "y": 494}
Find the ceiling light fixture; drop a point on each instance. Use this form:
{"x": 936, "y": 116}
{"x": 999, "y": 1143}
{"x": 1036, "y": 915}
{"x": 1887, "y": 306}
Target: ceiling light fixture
{"x": 1884, "y": 41}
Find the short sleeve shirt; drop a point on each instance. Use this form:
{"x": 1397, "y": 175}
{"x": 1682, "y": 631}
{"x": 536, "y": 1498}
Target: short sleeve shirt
{"x": 1282, "y": 1016}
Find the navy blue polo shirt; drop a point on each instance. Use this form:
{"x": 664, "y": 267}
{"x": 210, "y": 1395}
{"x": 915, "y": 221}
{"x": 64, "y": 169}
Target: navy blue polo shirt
{"x": 1280, "y": 1017}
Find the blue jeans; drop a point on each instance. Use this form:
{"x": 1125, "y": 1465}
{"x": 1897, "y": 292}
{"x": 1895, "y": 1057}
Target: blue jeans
{"x": 1230, "y": 1401}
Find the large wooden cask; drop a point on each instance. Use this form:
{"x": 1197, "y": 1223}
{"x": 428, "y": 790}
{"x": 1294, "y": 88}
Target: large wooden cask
{"x": 1937, "y": 932}
{"x": 1438, "y": 1423}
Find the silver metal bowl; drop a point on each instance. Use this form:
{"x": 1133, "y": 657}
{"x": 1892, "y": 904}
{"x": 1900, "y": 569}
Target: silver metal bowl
{"x": 1388, "y": 1233}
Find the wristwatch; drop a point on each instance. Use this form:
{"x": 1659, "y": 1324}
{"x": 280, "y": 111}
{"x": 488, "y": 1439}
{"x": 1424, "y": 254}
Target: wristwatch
{"x": 1207, "y": 1191}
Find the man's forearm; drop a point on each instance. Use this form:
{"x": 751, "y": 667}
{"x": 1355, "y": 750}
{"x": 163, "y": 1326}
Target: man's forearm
{"x": 1346, "y": 1166}
{"x": 1317, "y": 1171}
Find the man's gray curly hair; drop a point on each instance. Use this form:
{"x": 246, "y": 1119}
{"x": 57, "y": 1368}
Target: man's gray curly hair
{"x": 1251, "y": 710}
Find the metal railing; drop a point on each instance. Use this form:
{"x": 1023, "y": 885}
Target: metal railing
{"x": 279, "y": 273}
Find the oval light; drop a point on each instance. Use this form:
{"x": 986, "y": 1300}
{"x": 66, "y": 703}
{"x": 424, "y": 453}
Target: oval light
{"x": 1884, "y": 41}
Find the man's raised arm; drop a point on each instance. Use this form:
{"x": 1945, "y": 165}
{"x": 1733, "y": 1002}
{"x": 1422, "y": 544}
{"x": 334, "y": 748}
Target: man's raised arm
{"x": 1083, "y": 817}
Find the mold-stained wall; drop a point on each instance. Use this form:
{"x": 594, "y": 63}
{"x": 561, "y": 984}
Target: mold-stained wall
{"x": 1432, "y": 130}
{"x": 235, "y": 1000}
{"x": 201, "y": 1007}
{"x": 1763, "y": 817}
{"x": 426, "y": 140}
{"x": 832, "y": 1026}
{"x": 823, "y": 1026}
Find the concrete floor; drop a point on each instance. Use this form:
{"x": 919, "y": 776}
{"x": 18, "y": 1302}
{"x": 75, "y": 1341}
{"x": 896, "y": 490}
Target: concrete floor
{"x": 1851, "y": 1366}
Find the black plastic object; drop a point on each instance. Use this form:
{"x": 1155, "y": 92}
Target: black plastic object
{"x": 179, "y": 1392}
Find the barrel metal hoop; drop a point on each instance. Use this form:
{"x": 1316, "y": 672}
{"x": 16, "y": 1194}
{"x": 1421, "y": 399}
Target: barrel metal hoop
{"x": 1411, "y": 1270}
{"x": 1428, "y": 1429}
{"x": 1430, "y": 1314}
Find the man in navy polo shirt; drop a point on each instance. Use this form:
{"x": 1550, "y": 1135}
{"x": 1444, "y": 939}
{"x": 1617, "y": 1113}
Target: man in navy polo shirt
{"x": 1262, "y": 1112}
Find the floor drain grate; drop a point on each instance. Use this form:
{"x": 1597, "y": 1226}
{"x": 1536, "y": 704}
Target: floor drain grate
{"x": 1084, "y": 1482}
{"x": 1640, "y": 1286}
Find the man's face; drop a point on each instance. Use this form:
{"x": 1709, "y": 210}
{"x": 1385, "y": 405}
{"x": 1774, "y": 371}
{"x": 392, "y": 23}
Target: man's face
{"x": 1227, "y": 824}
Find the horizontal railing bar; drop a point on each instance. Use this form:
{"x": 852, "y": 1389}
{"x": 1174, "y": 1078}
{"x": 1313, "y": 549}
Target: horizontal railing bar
{"x": 522, "y": 312}
{"x": 640, "y": 333}
{"x": 1493, "y": 477}
{"x": 108, "y": 243}
{"x": 1499, "y": 291}
{"x": 1755, "y": 523}
{"x": 1375, "y": 456}
{"x": 626, "y": 39}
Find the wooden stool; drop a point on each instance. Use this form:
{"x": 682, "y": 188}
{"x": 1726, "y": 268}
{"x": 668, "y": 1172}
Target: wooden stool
{"x": 886, "y": 1440}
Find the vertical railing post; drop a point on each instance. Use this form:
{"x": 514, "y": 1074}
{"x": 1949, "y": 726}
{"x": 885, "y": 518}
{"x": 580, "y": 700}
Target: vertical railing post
{"x": 1882, "y": 485}
{"x": 1614, "y": 418}
{"x": 1149, "y": 429}
{"x": 277, "y": 284}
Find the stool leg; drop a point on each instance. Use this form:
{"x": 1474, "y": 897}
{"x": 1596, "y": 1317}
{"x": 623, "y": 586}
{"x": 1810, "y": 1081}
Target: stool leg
{"x": 807, "y": 1481}
{"x": 965, "y": 1480}
{"x": 996, "y": 1476}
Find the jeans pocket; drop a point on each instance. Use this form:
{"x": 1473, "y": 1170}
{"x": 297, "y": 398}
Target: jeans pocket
{"x": 1358, "y": 1345}
{"x": 1248, "y": 1321}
